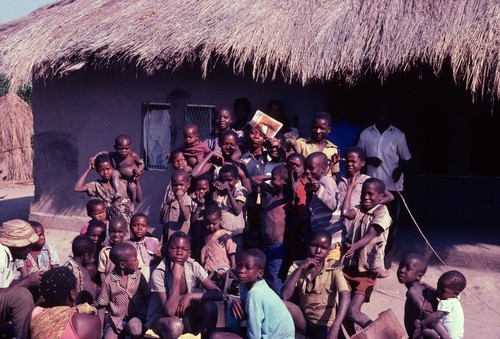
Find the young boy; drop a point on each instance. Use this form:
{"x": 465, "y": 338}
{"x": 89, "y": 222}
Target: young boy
{"x": 97, "y": 232}
{"x": 317, "y": 284}
{"x": 273, "y": 224}
{"x": 420, "y": 301}
{"x": 201, "y": 197}
{"x": 322, "y": 197}
{"x": 364, "y": 259}
{"x": 177, "y": 306}
{"x": 148, "y": 252}
{"x": 231, "y": 199}
{"x": 321, "y": 126}
{"x": 449, "y": 310}
{"x": 194, "y": 149}
{"x": 118, "y": 227}
{"x": 83, "y": 249}
{"x": 96, "y": 210}
{"x": 177, "y": 207}
{"x": 265, "y": 313}
{"x": 124, "y": 294}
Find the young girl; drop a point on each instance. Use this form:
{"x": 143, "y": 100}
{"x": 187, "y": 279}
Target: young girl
{"x": 102, "y": 189}
{"x": 218, "y": 253}
{"x": 194, "y": 149}
{"x": 223, "y": 122}
{"x": 148, "y": 252}
{"x": 42, "y": 257}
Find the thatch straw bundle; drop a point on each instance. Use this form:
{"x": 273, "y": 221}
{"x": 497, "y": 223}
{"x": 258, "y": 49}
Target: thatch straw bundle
{"x": 300, "y": 40}
{"x": 16, "y": 130}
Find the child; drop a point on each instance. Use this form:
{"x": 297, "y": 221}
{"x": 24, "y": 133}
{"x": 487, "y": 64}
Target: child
{"x": 177, "y": 206}
{"x": 273, "y": 224}
{"x": 96, "y": 231}
{"x": 129, "y": 165}
{"x": 364, "y": 259}
{"x": 420, "y": 301}
{"x": 218, "y": 253}
{"x": 58, "y": 317}
{"x": 96, "y": 210}
{"x": 117, "y": 231}
{"x": 177, "y": 306}
{"x": 42, "y": 256}
{"x": 194, "y": 149}
{"x": 317, "y": 283}
{"x": 321, "y": 126}
{"x": 147, "y": 247}
{"x": 265, "y": 313}
{"x": 321, "y": 193}
{"x": 102, "y": 188}
{"x": 223, "y": 122}
{"x": 123, "y": 294}
{"x": 231, "y": 199}
{"x": 200, "y": 197}
{"x": 449, "y": 310}
{"x": 83, "y": 249}
{"x": 178, "y": 161}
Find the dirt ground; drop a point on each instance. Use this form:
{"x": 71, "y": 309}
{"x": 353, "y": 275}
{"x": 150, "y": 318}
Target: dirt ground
{"x": 480, "y": 302}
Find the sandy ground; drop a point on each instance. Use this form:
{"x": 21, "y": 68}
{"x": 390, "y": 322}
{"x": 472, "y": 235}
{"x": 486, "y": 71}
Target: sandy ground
{"x": 480, "y": 302}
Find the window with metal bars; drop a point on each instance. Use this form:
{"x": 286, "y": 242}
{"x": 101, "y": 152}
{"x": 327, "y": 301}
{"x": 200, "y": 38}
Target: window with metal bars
{"x": 201, "y": 116}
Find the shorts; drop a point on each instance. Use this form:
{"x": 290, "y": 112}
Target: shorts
{"x": 360, "y": 282}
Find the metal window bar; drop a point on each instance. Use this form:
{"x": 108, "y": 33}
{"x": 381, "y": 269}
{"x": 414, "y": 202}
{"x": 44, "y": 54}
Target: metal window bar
{"x": 156, "y": 135}
{"x": 201, "y": 116}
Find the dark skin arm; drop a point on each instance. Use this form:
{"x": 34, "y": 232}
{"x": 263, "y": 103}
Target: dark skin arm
{"x": 396, "y": 174}
{"x": 80, "y": 183}
{"x": 344, "y": 300}
{"x": 347, "y": 210}
{"x": 373, "y": 231}
{"x": 186, "y": 214}
{"x": 205, "y": 166}
{"x": 260, "y": 180}
{"x": 291, "y": 282}
{"x": 140, "y": 164}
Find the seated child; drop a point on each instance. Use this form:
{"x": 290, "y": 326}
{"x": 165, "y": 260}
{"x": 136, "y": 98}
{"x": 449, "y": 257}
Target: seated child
{"x": 42, "y": 256}
{"x": 194, "y": 149}
{"x": 276, "y": 209}
{"x": 317, "y": 283}
{"x": 364, "y": 259}
{"x": 177, "y": 305}
{"x": 231, "y": 198}
{"x": 83, "y": 249}
{"x": 58, "y": 317}
{"x": 148, "y": 252}
{"x": 96, "y": 210}
{"x": 124, "y": 294}
{"x": 200, "y": 196}
{"x": 265, "y": 313}
{"x": 118, "y": 227}
{"x": 218, "y": 253}
{"x": 449, "y": 310}
{"x": 177, "y": 206}
{"x": 420, "y": 300}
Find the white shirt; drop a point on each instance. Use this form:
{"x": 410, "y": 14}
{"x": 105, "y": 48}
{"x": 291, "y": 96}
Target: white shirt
{"x": 453, "y": 321}
{"x": 389, "y": 147}
{"x": 6, "y": 267}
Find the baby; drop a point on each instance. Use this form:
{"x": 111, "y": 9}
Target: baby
{"x": 194, "y": 149}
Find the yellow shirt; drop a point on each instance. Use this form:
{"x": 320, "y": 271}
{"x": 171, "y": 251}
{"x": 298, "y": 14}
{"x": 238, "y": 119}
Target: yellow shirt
{"x": 307, "y": 146}
{"x": 317, "y": 296}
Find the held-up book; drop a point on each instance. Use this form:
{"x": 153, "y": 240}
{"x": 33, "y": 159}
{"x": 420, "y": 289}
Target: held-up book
{"x": 265, "y": 124}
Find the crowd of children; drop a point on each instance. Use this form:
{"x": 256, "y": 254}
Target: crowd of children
{"x": 305, "y": 243}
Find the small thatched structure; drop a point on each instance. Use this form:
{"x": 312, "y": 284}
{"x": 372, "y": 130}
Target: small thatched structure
{"x": 296, "y": 39}
{"x": 16, "y": 131}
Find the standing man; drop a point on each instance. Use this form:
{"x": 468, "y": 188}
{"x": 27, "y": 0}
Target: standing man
{"x": 387, "y": 156}
{"x": 16, "y": 239}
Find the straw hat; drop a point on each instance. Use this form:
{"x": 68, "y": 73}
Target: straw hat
{"x": 17, "y": 233}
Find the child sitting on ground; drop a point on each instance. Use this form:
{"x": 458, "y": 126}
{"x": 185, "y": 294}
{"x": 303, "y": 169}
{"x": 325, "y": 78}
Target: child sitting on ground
{"x": 218, "y": 253}
{"x": 42, "y": 256}
{"x": 118, "y": 227}
{"x": 365, "y": 243}
{"x": 276, "y": 209}
{"x": 148, "y": 252}
{"x": 265, "y": 313}
{"x": 231, "y": 198}
{"x": 177, "y": 206}
{"x": 317, "y": 284}
{"x": 96, "y": 210}
{"x": 124, "y": 294}
{"x": 83, "y": 249}
{"x": 420, "y": 300}
{"x": 449, "y": 310}
{"x": 177, "y": 305}
{"x": 194, "y": 149}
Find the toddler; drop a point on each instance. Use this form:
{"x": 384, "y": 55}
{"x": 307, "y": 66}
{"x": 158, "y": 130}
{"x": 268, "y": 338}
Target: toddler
{"x": 147, "y": 247}
{"x": 218, "y": 253}
{"x": 42, "y": 256}
{"x": 83, "y": 249}
{"x": 124, "y": 294}
{"x": 194, "y": 149}
{"x": 118, "y": 227}
{"x": 96, "y": 210}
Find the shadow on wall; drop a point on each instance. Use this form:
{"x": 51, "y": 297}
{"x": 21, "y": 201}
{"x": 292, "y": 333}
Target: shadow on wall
{"x": 17, "y": 208}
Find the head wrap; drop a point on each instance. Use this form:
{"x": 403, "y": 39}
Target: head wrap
{"x": 17, "y": 233}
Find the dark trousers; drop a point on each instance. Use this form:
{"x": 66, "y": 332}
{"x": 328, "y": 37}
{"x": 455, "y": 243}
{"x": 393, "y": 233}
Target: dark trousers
{"x": 394, "y": 208}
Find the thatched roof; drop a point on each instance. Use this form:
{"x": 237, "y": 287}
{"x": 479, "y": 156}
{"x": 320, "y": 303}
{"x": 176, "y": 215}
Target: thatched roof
{"x": 16, "y": 130}
{"x": 299, "y": 40}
